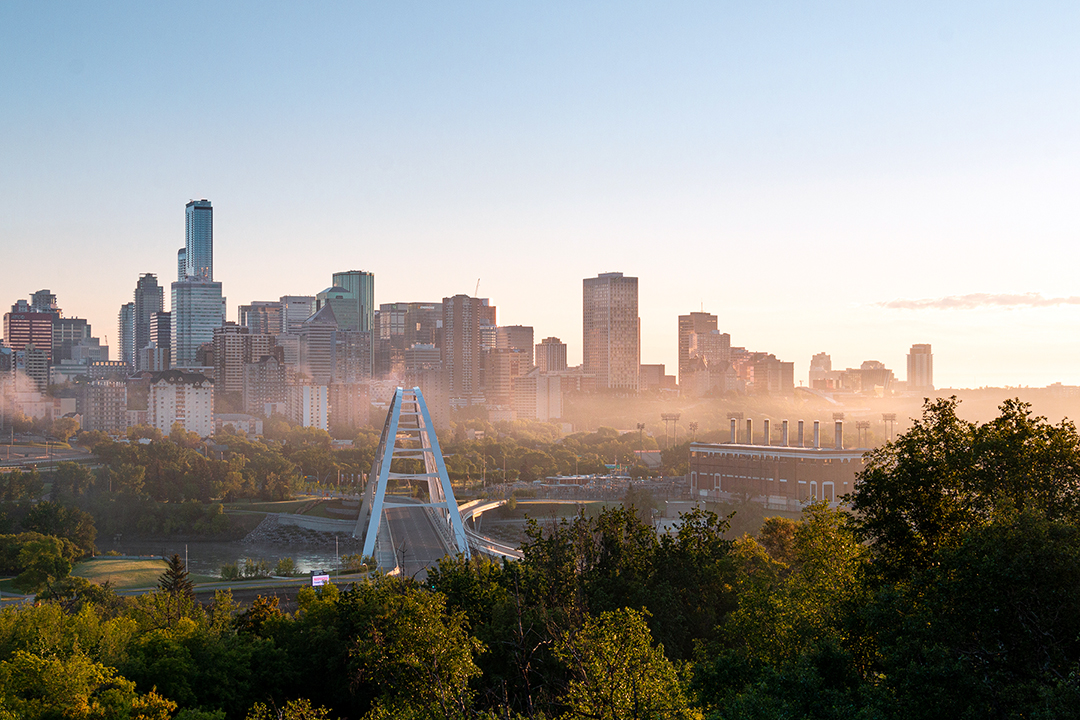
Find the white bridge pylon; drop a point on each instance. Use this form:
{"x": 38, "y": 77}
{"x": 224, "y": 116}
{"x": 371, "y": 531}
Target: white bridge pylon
{"x": 409, "y": 434}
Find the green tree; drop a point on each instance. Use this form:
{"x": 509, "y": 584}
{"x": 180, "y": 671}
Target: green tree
{"x": 618, "y": 673}
{"x": 990, "y": 629}
{"x": 301, "y": 709}
{"x": 175, "y": 580}
{"x": 923, "y": 491}
{"x": 51, "y": 518}
{"x": 34, "y": 687}
{"x": 43, "y": 562}
{"x": 412, "y": 654}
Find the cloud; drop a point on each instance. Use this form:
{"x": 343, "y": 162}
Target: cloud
{"x": 981, "y": 300}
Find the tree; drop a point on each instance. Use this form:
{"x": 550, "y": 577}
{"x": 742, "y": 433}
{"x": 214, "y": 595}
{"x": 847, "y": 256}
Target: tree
{"x": 413, "y": 655}
{"x": 175, "y": 580}
{"x": 70, "y": 480}
{"x": 990, "y": 629}
{"x": 36, "y": 687}
{"x": 43, "y": 562}
{"x": 301, "y": 709}
{"x": 923, "y": 491}
{"x": 618, "y": 672}
{"x": 50, "y": 518}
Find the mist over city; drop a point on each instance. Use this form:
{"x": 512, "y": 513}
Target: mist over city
{"x": 569, "y": 361}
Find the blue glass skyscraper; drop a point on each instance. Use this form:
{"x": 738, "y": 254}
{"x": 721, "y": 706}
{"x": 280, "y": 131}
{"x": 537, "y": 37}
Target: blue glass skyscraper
{"x": 200, "y": 240}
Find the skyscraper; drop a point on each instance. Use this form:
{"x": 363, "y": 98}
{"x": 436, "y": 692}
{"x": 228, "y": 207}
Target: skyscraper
{"x": 197, "y": 303}
{"x": 149, "y": 299}
{"x": 295, "y": 309}
{"x": 461, "y": 348}
{"x": 920, "y": 369}
{"x": 360, "y": 288}
{"x": 126, "y": 333}
{"x": 611, "y": 331}
{"x": 200, "y": 240}
{"x": 197, "y": 308}
{"x": 695, "y": 322}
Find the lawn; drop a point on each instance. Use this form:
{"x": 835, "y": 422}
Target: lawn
{"x": 121, "y": 572}
{"x": 285, "y": 506}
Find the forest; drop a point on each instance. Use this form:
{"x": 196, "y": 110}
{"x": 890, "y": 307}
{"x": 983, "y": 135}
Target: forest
{"x": 946, "y": 586}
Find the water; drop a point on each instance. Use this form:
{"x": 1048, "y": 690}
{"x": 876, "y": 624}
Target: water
{"x": 206, "y": 557}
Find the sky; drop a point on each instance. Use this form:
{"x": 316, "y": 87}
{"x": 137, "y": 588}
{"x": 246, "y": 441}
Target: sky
{"x": 850, "y": 178}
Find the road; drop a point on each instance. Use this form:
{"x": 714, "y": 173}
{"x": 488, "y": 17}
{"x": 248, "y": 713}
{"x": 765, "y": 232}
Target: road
{"x": 415, "y": 538}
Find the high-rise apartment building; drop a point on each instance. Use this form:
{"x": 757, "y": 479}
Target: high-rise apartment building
{"x": 197, "y": 308}
{"x": 713, "y": 346}
{"x": 920, "y": 369}
{"x": 184, "y": 398}
{"x": 611, "y": 331}
{"x": 461, "y": 353}
{"x": 695, "y": 322}
{"x": 181, "y": 264}
{"x": 551, "y": 355}
{"x": 236, "y": 346}
{"x": 125, "y": 333}
{"x": 149, "y": 299}
{"x": 200, "y": 240}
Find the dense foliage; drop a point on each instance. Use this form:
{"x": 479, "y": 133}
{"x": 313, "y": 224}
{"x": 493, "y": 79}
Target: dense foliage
{"x": 952, "y": 591}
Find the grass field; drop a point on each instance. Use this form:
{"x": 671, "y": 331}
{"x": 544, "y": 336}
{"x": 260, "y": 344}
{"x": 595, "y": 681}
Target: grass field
{"x": 122, "y": 573}
{"x": 285, "y": 506}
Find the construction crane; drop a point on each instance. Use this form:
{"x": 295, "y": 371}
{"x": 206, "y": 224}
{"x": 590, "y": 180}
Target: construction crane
{"x": 476, "y": 292}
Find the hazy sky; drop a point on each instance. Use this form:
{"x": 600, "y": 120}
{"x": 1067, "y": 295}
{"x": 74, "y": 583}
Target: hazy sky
{"x": 841, "y": 177}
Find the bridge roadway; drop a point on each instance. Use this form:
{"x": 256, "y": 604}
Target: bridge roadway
{"x": 414, "y": 536}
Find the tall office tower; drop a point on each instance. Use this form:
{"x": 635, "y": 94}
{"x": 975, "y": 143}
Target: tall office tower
{"x": 126, "y": 333}
{"x": 161, "y": 329}
{"x": 551, "y": 355}
{"x": 920, "y": 369}
{"x": 338, "y": 298}
{"x": 67, "y": 332}
{"x": 200, "y": 240}
{"x": 181, "y": 264}
{"x": 695, "y": 322}
{"x": 149, "y": 299}
{"x": 22, "y": 328}
{"x": 197, "y": 308}
{"x": 360, "y": 290}
{"x": 317, "y": 346}
{"x": 262, "y": 316}
{"x": 611, "y": 331}
{"x": 518, "y": 338}
{"x": 398, "y": 327}
{"x": 461, "y": 351}
{"x": 295, "y": 309}
{"x": 44, "y": 301}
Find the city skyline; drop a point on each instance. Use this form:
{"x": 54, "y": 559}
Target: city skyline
{"x": 843, "y": 179}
